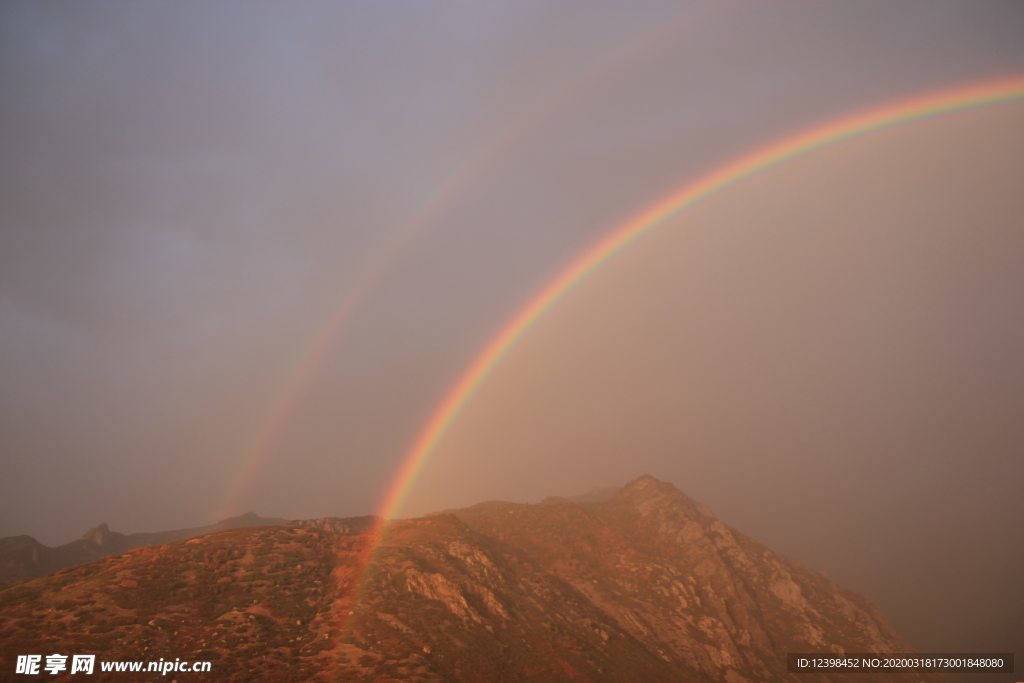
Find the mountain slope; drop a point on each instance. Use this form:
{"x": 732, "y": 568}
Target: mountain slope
{"x": 681, "y": 580}
{"x": 642, "y": 585}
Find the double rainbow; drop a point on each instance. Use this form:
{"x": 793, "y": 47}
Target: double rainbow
{"x": 298, "y": 379}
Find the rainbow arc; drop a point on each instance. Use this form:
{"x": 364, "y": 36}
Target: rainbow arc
{"x": 979, "y": 94}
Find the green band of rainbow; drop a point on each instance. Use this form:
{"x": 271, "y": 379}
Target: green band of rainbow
{"x": 916, "y": 108}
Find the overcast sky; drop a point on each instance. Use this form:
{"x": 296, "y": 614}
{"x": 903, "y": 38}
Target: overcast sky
{"x": 190, "y": 191}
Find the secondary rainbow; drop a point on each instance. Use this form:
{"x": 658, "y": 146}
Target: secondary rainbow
{"x": 945, "y": 101}
{"x": 301, "y": 375}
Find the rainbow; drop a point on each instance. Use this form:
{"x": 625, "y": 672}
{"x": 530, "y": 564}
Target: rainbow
{"x": 485, "y": 155}
{"x": 945, "y": 101}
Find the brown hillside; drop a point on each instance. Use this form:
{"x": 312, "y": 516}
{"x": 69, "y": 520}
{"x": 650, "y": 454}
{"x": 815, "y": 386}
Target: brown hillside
{"x": 641, "y": 586}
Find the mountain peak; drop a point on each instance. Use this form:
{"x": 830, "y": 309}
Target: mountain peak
{"x": 98, "y": 535}
{"x": 646, "y": 487}
{"x": 648, "y": 482}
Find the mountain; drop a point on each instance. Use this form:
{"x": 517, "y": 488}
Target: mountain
{"x": 23, "y": 556}
{"x": 641, "y": 585}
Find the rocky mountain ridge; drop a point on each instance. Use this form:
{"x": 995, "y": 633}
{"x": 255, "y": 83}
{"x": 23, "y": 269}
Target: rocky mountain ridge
{"x": 644, "y": 584}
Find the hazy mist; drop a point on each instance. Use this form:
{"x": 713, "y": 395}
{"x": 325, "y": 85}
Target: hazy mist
{"x": 828, "y": 353}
